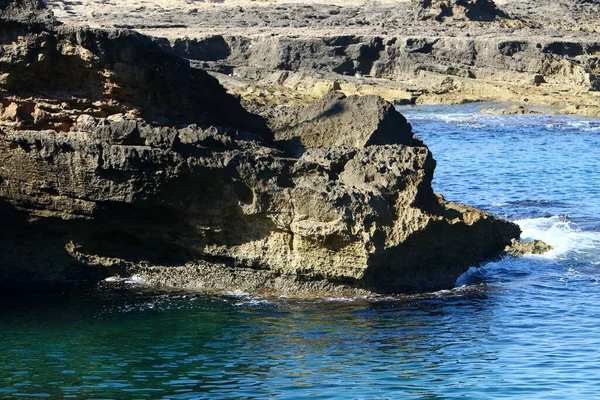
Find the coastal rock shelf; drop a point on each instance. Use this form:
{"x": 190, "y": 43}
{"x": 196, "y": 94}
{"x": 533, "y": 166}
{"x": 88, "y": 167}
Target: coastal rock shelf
{"x": 407, "y": 51}
{"x": 407, "y": 69}
{"x": 117, "y": 157}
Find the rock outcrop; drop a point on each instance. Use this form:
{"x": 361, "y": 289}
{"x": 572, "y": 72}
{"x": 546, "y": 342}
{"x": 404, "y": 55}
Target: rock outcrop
{"x": 338, "y": 121}
{"x": 470, "y": 10}
{"x": 520, "y": 248}
{"x": 120, "y": 189}
{"x": 481, "y": 67}
{"x": 511, "y": 110}
{"x": 118, "y": 157}
{"x": 545, "y": 51}
{"x": 53, "y": 74}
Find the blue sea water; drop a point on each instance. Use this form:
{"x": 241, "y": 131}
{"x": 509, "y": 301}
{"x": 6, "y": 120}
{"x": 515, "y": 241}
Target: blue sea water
{"x": 518, "y": 328}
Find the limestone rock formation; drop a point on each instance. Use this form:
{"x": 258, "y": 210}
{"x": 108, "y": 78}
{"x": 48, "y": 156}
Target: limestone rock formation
{"x": 426, "y": 61}
{"x": 520, "y": 248}
{"x": 117, "y": 157}
{"x": 282, "y": 53}
{"x": 514, "y": 109}
{"x": 337, "y": 120}
{"x": 52, "y": 75}
{"x": 122, "y": 189}
{"x": 474, "y": 10}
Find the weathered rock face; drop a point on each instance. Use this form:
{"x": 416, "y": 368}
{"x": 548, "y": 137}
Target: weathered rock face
{"x": 52, "y": 75}
{"x": 540, "y": 52}
{"x": 476, "y": 10}
{"x": 519, "y": 248}
{"x": 127, "y": 169}
{"x": 337, "y": 120}
{"x": 410, "y": 58}
{"x": 122, "y": 189}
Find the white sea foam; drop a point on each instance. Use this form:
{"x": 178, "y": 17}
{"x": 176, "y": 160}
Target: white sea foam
{"x": 341, "y": 299}
{"x": 132, "y": 280}
{"x": 560, "y": 233}
{"x": 238, "y": 293}
{"x": 586, "y": 126}
{"x": 467, "y": 277}
{"x": 252, "y": 302}
{"x": 450, "y": 117}
{"x": 135, "y": 280}
{"x": 472, "y": 116}
{"x": 247, "y": 299}
{"x": 567, "y": 239}
{"x": 458, "y": 117}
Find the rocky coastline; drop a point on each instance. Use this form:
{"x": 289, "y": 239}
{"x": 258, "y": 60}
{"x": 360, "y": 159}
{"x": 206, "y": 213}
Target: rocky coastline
{"x": 120, "y": 157}
{"x": 543, "y": 52}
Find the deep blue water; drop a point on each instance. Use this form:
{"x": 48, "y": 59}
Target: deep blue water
{"x": 522, "y": 328}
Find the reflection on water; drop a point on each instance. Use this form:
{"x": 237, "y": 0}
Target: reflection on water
{"x": 523, "y": 328}
{"x": 86, "y": 341}
{"x": 492, "y": 340}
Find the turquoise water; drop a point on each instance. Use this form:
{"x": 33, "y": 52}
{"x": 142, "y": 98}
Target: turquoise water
{"x": 520, "y": 328}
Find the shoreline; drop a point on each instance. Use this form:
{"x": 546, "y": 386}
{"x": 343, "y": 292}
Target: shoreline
{"x": 122, "y": 154}
{"x": 294, "y": 52}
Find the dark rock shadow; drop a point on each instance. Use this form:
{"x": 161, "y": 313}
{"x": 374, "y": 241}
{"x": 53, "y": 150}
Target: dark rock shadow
{"x": 34, "y": 251}
{"x": 434, "y": 257}
{"x": 212, "y": 48}
{"x": 197, "y": 209}
{"x": 171, "y": 227}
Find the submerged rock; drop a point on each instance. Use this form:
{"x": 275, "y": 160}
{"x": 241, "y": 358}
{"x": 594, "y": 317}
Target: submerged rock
{"x": 118, "y": 158}
{"x": 515, "y": 109}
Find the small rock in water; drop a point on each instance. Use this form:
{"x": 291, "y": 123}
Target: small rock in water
{"x": 519, "y": 248}
{"x": 512, "y": 110}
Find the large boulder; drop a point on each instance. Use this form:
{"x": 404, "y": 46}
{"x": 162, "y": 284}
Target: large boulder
{"x": 119, "y": 193}
{"x": 337, "y": 120}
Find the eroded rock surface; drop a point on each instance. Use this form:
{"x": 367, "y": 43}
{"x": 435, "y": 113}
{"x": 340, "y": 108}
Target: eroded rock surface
{"x": 110, "y": 164}
{"x": 473, "y": 10}
{"x": 51, "y": 75}
{"x": 519, "y": 248}
{"x": 409, "y": 69}
{"x": 122, "y": 189}
{"x": 337, "y": 120}
{"x": 280, "y": 51}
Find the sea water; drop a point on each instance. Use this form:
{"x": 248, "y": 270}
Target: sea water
{"x": 514, "y": 328}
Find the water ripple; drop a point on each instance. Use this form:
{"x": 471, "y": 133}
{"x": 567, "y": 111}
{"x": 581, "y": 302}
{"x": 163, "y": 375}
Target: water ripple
{"x": 519, "y": 328}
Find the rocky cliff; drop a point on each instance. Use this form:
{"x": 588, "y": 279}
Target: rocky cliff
{"x": 420, "y": 68}
{"x": 52, "y": 74}
{"x": 408, "y": 51}
{"x": 117, "y": 157}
